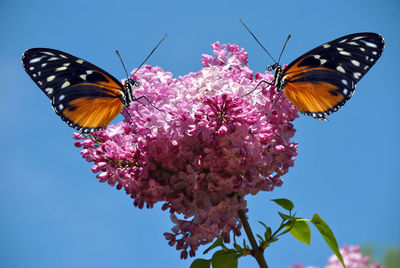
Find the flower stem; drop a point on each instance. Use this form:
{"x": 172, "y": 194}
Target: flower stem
{"x": 257, "y": 253}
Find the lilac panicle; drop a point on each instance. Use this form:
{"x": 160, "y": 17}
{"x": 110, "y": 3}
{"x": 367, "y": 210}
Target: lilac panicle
{"x": 352, "y": 257}
{"x": 204, "y": 152}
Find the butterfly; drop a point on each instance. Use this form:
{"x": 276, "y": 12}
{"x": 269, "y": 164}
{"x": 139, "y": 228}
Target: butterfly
{"x": 85, "y": 97}
{"x": 322, "y": 80}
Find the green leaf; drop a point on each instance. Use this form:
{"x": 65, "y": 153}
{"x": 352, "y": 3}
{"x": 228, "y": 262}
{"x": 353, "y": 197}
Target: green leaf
{"x": 268, "y": 233}
{"x": 285, "y": 203}
{"x": 224, "y": 259}
{"x": 263, "y": 224}
{"x": 283, "y": 216}
{"x": 301, "y": 231}
{"x": 200, "y": 263}
{"x": 218, "y": 243}
{"x": 260, "y": 237}
{"x": 328, "y": 235}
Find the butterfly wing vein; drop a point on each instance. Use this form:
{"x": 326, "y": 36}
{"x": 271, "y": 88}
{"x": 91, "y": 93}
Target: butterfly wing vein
{"x": 86, "y": 97}
{"x": 322, "y": 80}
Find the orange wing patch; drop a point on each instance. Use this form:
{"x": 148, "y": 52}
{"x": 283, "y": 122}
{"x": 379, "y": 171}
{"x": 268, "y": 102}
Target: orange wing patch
{"x": 110, "y": 84}
{"x": 109, "y": 87}
{"x": 89, "y": 112}
{"x": 312, "y": 97}
{"x": 293, "y": 70}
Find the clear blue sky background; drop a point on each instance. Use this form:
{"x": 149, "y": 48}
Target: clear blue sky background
{"x": 54, "y": 212}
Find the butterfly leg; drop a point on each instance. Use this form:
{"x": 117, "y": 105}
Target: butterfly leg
{"x": 280, "y": 103}
{"x": 127, "y": 115}
{"x": 262, "y": 81}
{"x": 144, "y": 97}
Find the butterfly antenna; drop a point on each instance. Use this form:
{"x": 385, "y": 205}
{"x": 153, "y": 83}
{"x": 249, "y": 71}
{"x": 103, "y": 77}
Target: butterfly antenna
{"x": 287, "y": 39}
{"x": 256, "y": 39}
{"x": 119, "y": 56}
{"x": 154, "y": 49}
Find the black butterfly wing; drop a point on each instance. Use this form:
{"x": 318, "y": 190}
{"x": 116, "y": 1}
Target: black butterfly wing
{"x": 323, "y": 79}
{"x": 83, "y": 95}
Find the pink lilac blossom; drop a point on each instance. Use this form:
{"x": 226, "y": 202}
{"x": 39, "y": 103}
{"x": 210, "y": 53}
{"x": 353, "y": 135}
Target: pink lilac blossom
{"x": 352, "y": 257}
{"x": 204, "y": 152}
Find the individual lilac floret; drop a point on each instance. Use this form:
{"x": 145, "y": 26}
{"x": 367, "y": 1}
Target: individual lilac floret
{"x": 204, "y": 152}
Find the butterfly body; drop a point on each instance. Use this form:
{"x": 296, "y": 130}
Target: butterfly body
{"x": 322, "y": 80}
{"x": 85, "y": 97}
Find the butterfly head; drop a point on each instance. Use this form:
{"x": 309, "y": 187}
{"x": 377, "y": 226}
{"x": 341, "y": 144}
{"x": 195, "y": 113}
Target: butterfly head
{"x": 277, "y": 69}
{"x": 129, "y": 83}
{"x": 128, "y": 96}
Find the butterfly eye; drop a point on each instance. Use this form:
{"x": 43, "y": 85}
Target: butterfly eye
{"x": 128, "y": 84}
{"x": 269, "y": 68}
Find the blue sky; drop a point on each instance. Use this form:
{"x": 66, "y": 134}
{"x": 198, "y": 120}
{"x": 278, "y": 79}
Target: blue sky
{"x": 56, "y": 214}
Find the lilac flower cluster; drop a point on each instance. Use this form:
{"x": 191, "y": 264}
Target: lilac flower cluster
{"x": 204, "y": 151}
{"x": 352, "y": 257}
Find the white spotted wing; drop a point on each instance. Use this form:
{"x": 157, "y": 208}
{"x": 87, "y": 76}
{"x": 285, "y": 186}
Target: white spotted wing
{"x": 83, "y": 95}
{"x": 323, "y": 79}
